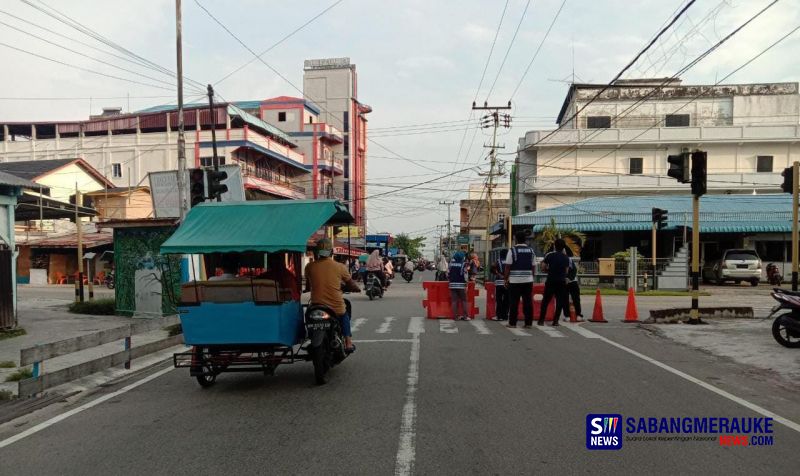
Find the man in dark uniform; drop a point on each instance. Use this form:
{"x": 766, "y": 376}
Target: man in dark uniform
{"x": 556, "y": 264}
{"x": 500, "y": 291}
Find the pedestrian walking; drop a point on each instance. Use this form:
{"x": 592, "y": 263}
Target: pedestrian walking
{"x": 457, "y": 276}
{"x": 500, "y": 291}
{"x": 442, "y": 265}
{"x": 574, "y": 290}
{"x": 556, "y": 264}
{"x": 518, "y": 274}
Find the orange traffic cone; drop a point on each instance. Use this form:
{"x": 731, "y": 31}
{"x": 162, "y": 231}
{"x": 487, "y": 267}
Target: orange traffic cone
{"x": 631, "y": 313}
{"x": 573, "y": 316}
{"x": 597, "y": 314}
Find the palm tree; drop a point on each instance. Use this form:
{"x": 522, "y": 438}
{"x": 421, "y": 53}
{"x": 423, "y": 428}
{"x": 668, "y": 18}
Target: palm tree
{"x": 546, "y": 238}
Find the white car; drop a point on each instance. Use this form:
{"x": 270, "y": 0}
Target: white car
{"x": 735, "y": 265}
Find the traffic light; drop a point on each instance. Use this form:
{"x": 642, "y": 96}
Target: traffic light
{"x": 659, "y": 217}
{"x": 215, "y": 188}
{"x": 196, "y": 187}
{"x": 679, "y": 167}
{"x": 699, "y": 173}
{"x": 788, "y": 179}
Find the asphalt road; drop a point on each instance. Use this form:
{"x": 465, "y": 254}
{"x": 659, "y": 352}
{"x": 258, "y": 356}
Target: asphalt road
{"x": 422, "y": 397}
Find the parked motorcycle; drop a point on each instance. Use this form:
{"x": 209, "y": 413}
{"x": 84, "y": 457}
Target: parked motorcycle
{"x": 774, "y": 276}
{"x": 372, "y": 287}
{"x": 109, "y": 280}
{"x": 408, "y": 275}
{"x": 326, "y": 342}
{"x": 786, "y": 327}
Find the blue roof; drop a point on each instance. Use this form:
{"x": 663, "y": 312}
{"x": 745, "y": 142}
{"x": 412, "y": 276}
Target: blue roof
{"x": 769, "y": 213}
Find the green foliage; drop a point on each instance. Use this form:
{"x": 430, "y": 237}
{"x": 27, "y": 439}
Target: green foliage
{"x": 550, "y": 233}
{"x": 6, "y": 395}
{"x": 98, "y": 307}
{"x": 174, "y": 330}
{"x": 20, "y": 374}
{"x": 411, "y": 246}
{"x": 7, "y": 364}
{"x": 12, "y": 333}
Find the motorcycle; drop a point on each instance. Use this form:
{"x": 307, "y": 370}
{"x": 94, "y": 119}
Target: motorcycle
{"x": 372, "y": 287}
{"x": 420, "y": 266}
{"x": 326, "y": 342}
{"x": 407, "y": 275}
{"x": 109, "y": 280}
{"x": 774, "y": 276}
{"x": 786, "y": 327}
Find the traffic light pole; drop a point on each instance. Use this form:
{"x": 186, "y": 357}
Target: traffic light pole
{"x": 215, "y": 159}
{"x": 655, "y": 229}
{"x": 795, "y": 176}
{"x": 694, "y": 314}
{"x": 182, "y": 202}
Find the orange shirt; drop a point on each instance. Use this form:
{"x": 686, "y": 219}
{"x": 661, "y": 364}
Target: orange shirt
{"x": 325, "y": 277}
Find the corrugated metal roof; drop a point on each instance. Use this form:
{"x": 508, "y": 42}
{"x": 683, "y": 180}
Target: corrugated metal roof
{"x": 255, "y": 121}
{"x": 14, "y": 181}
{"x": 30, "y": 169}
{"x": 769, "y": 213}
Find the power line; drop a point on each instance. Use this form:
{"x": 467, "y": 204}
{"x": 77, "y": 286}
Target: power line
{"x": 508, "y": 50}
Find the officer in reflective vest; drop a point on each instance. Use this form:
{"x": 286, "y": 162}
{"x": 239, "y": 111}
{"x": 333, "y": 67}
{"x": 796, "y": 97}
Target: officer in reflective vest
{"x": 500, "y": 291}
{"x": 520, "y": 262}
{"x": 457, "y": 276}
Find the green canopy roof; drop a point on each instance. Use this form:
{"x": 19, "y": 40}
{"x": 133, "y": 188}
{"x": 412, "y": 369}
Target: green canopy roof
{"x": 265, "y": 226}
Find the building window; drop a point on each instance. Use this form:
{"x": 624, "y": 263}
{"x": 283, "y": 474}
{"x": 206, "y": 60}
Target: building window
{"x": 677, "y": 120}
{"x": 635, "y": 166}
{"x": 116, "y": 170}
{"x": 598, "y": 122}
{"x": 281, "y": 116}
{"x": 209, "y": 161}
{"x": 310, "y": 119}
{"x": 764, "y": 163}
{"x": 346, "y": 121}
{"x": 501, "y": 216}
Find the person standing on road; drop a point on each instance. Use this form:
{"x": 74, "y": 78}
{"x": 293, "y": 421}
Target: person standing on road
{"x": 574, "y": 290}
{"x": 441, "y": 268}
{"x": 556, "y": 264}
{"x": 500, "y": 291}
{"x": 458, "y": 277}
{"x": 518, "y": 274}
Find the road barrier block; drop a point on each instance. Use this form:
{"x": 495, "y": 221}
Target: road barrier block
{"x": 491, "y": 299}
{"x": 437, "y": 302}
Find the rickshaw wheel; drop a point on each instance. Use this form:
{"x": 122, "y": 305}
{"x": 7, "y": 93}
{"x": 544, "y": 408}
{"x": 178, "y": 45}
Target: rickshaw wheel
{"x": 209, "y": 373}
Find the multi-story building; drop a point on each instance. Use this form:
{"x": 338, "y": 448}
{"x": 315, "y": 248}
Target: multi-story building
{"x": 619, "y": 142}
{"x": 332, "y": 84}
{"x": 474, "y": 216}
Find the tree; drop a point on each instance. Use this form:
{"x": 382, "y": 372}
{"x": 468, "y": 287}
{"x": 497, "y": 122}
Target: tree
{"x": 410, "y": 246}
{"x": 550, "y": 233}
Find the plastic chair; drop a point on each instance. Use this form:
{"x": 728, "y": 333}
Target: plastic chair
{"x": 61, "y": 278}
{"x": 99, "y": 278}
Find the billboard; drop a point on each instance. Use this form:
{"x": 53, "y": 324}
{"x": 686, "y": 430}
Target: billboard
{"x": 164, "y": 189}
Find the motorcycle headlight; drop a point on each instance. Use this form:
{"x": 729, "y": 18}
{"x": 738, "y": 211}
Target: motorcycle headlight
{"x": 318, "y": 315}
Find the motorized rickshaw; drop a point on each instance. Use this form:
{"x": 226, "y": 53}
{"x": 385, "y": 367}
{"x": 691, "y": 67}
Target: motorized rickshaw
{"x": 252, "y": 322}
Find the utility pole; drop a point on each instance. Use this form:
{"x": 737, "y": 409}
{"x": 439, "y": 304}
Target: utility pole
{"x": 790, "y": 185}
{"x": 182, "y": 208}
{"x": 79, "y": 281}
{"x": 492, "y": 120}
{"x": 699, "y": 185}
{"x": 449, "y": 235}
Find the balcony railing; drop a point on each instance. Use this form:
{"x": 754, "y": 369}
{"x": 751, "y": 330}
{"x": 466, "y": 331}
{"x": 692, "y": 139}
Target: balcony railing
{"x": 586, "y": 183}
{"x": 255, "y": 138}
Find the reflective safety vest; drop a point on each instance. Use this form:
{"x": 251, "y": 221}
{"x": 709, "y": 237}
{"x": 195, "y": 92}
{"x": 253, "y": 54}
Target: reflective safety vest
{"x": 456, "y": 275}
{"x": 500, "y": 279}
{"x": 522, "y": 265}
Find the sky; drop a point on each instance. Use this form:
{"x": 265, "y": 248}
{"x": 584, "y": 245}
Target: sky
{"x": 419, "y": 66}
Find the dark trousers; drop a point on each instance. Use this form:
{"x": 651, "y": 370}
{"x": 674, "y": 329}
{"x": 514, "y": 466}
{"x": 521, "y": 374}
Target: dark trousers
{"x": 574, "y": 290}
{"x": 557, "y": 289}
{"x": 501, "y": 302}
{"x": 515, "y": 292}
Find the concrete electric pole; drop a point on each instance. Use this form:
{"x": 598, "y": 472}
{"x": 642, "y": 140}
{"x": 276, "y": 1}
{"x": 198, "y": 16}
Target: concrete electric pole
{"x": 182, "y": 204}
{"x": 449, "y": 235}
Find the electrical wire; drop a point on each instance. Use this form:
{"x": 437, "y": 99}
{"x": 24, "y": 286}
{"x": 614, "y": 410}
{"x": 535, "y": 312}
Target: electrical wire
{"x": 508, "y": 50}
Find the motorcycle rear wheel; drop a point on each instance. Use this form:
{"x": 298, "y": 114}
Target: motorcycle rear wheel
{"x": 319, "y": 356}
{"x": 783, "y": 335}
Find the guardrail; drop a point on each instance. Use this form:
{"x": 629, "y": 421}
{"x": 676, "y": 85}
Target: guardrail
{"x": 38, "y": 354}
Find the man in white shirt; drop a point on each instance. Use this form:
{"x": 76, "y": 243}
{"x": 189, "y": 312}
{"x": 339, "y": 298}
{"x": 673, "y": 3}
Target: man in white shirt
{"x": 520, "y": 263}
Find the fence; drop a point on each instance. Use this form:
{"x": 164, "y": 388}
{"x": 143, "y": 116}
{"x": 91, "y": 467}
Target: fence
{"x": 38, "y": 354}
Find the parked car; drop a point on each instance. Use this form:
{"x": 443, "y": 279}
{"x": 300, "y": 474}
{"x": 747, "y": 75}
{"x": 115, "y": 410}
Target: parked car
{"x": 735, "y": 265}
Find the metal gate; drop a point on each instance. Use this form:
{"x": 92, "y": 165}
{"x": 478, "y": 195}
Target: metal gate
{"x": 7, "y": 319}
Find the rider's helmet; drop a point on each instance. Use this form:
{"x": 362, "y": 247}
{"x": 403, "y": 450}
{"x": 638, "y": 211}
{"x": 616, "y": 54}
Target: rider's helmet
{"x": 324, "y": 248}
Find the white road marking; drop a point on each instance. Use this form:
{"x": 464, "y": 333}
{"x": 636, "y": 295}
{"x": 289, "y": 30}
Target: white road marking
{"x": 357, "y": 323}
{"x": 416, "y": 325}
{"x": 480, "y": 326}
{"x": 370, "y": 341}
{"x": 549, "y": 330}
{"x": 751, "y": 406}
{"x": 41, "y": 426}
{"x": 406, "y": 448}
{"x": 518, "y": 332}
{"x": 448, "y": 326}
{"x": 584, "y": 332}
{"x": 386, "y": 326}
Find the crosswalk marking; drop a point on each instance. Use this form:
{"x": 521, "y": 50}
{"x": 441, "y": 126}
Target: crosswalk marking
{"x": 416, "y": 325}
{"x": 584, "y": 332}
{"x": 357, "y": 323}
{"x": 480, "y": 326}
{"x": 386, "y": 326}
{"x": 518, "y": 332}
{"x": 550, "y": 331}
{"x": 447, "y": 326}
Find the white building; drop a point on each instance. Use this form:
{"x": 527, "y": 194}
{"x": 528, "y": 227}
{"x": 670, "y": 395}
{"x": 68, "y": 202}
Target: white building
{"x": 618, "y": 144}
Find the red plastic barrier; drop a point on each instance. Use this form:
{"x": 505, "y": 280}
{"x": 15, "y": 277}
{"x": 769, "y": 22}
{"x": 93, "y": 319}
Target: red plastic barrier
{"x": 491, "y": 300}
{"x": 438, "y": 300}
{"x": 538, "y": 292}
